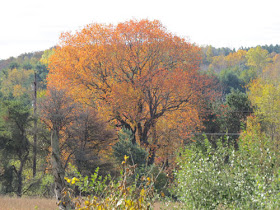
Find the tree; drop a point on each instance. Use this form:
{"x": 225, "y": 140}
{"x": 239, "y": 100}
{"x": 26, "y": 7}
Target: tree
{"x": 218, "y": 63}
{"x": 57, "y": 112}
{"x": 46, "y": 55}
{"x": 264, "y": 93}
{"x": 265, "y": 96}
{"x": 136, "y": 154}
{"x": 257, "y": 57}
{"x": 87, "y": 142}
{"x": 13, "y": 138}
{"x": 16, "y": 83}
{"x": 226, "y": 116}
{"x": 230, "y": 80}
{"x": 239, "y": 108}
{"x": 209, "y": 54}
{"x": 257, "y": 60}
{"x": 40, "y": 73}
{"x": 237, "y": 59}
{"x": 77, "y": 136}
{"x": 137, "y": 73}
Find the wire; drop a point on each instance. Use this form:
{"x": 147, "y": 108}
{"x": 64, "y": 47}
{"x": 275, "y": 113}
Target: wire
{"x": 219, "y": 134}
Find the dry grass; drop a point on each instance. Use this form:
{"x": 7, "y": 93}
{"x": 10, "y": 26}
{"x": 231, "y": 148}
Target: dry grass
{"x": 167, "y": 206}
{"x": 12, "y": 203}
{"x": 27, "y": 203}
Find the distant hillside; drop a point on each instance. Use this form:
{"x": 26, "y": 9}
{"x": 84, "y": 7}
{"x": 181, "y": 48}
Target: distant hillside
{"x": 34, "y": 57}
{"x": 25, "y": 58}
{"x": 270, "y": 48}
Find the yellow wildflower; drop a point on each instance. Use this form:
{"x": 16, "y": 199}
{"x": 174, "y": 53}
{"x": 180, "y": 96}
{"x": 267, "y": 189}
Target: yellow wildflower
{"x": 126, "y": 157}
{"x": 87, "y": 203}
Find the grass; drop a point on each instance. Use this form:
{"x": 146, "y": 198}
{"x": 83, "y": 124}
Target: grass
{"x": 167, "y": 205}
{"x": 27, "y": 203}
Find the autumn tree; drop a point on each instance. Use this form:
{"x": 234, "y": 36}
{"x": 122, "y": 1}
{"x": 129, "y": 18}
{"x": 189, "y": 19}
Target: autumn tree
{"x": 237, "y": 59}
{"x": 16, "y": 83}
{"x": 257, "y": 58}
{"x": 57, "y": 112}
{"x": 136, "y": 74}
{"x": 264, "y": 93}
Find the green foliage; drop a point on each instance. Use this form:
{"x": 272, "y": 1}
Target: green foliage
{"x": 248, "y": 75}
{"x": 271, "y": 48}
{"x": 14, "y": 65}
{"x": 239, "y": 107}
{"x": 161, "y": 180}
{"x": 230, "y": 80}
{"x": 7, "y": 179}
{"x": 214, "y": 178}
{"x": 27, "y": 66}
{"x": 39, "y": 186}
{"x": 16, "y": 121}
{"x": 94, "y": 184}
{"x": 15, "y": 145}
{"x": 238, "y": 101}
{"x": 44, "y": 186}
{"x": 137, "y": 155}
{"x": 229, "y": 116}
{"x": 218, "y": 51}
{"x": 42, "y": 72}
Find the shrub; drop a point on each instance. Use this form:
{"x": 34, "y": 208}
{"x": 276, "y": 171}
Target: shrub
{"x": 137, "y": 155}
{"x": 98, "y": 192}
{"x": 210, "y": 178}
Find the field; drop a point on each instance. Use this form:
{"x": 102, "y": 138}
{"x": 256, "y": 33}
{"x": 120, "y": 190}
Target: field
{"x": 25, "y": 203}
{"x": 13, "y": 203}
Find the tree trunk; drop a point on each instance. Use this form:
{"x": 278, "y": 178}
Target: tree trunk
{"x": 153, "y": 146}
{"x": 152, "y": 154}
{"x": 19, "y": 175}
{"x": 133, "y": 140}
{"x": 58, "y": 171}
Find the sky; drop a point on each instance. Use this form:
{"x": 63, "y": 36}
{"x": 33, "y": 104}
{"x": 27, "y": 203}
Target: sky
{"x": 35, "y": 25}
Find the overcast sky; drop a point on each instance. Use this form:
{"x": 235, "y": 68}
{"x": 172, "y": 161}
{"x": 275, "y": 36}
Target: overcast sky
{"x": 33, "y": 25}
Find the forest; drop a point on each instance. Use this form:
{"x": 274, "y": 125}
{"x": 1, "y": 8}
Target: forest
{"x": 126, "y": 116}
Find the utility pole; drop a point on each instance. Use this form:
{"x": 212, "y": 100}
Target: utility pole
{"x": 35, "y": 126}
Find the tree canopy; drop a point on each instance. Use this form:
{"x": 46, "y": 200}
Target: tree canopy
{"x": 137, "y": 72}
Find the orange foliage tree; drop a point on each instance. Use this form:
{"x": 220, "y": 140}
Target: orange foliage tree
{"x": 137, "y": 74}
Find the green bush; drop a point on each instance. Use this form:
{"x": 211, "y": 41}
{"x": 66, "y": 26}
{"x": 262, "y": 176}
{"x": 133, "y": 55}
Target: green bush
{"x": 40, "y": 186}
{"x": 221, "y": 177}
{"x": 137, "y": 155}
